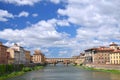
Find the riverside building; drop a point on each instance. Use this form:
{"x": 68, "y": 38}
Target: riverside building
{"x": 4, "y": 55}
{"x": 38, "y": 57}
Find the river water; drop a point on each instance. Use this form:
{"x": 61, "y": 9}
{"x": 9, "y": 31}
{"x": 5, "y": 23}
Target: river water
{"x": 61, "y": 72}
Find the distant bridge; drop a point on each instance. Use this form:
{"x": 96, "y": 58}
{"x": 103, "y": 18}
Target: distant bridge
{"x": 57, "y": 60}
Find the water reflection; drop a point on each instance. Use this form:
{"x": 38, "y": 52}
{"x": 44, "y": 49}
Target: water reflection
{"x": 61, "y": 72}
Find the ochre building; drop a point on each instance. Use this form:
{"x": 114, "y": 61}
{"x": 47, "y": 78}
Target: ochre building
{"x": 38, "y": 57}
{"x": 115, "y": 55}
{"x": 4, "y": 55}
{"x": 27, "y": 56}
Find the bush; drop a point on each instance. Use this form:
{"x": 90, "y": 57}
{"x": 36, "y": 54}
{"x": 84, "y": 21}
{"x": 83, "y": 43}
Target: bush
{"x": 9, "y": 68}
{"x": 2, "y": 69}
{"x": 26, "y": 69}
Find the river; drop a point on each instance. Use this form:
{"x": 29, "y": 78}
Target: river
{"x": 61, "y": 72}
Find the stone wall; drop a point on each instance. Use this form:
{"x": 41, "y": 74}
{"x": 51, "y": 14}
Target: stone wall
{"x": 104, "y": 66}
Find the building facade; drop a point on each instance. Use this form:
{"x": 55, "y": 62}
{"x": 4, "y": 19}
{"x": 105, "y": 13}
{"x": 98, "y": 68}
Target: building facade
{"x": 27, "y": 56}
{"x": 38, "y": 57}
{"x": 89, "y": 55}
{"x": 4, "y": 55}
{"x": 14, "y": 56}
{"x": 80, "y": 59}
{"x": 115, "y": 55}
{"x": 17, "y": 54}
{"x": 102, "y": 55}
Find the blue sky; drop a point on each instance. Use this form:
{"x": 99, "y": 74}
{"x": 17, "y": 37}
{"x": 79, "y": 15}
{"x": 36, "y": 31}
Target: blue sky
{"x": 59, "y": 28}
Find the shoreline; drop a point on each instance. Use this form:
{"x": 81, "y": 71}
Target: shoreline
{"x": 101, "y": 70}
{"x": 20, "y": 73}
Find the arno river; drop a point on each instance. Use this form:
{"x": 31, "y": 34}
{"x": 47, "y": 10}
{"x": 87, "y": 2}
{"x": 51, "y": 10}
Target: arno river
{"x": 61, "y": 72}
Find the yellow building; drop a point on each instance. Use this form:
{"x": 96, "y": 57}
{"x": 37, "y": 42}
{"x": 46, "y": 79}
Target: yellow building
{"x": 14, "y": 56}
{"x": 115, "y": 57}
{"x": 27, "y": 56}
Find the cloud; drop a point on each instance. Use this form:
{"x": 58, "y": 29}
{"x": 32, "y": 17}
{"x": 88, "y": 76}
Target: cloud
{"x": 55, "y": 1}
{"x": 5, "y": 15}
{"x": 91, "y": 13}
{"x": 97, "y": 22}
{"x": 97, "y": 25}
{"x": 42, "y": 33}
{"x": 35, "y": 15}
{"x": 93, "y": 16}
{"x": 63, "y": 53}
{"x": 21, "y": 2}
{"x": 23, "y": 14}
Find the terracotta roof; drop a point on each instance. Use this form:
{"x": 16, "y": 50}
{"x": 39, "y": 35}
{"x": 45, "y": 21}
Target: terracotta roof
{"x": 105, "y": 49}
{"x": 90, "y": 49}
{"x": 3, "y": 45}
{"x": 116, "y": 51}
{"x": 113, "y": 44}
{"x": 37, "y": 52}
{"x": 101, "y": 49}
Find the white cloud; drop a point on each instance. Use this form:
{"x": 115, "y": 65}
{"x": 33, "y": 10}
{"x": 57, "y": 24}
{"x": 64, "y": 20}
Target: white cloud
{"x": 63, "y": 53}
{"x": 23, "y": 14}
{"x": 55, "y": 1}
{"x": 97, "y": 21}
{"x": 97, "y": 24}
{"x": 35, "y": 15}
{"x": 92, "y": 13}
{"x": 21, "y": 2}
{"x": 5, "y": 15}
{"x": 42, "y": 33}
{"x": 63, "y": 23}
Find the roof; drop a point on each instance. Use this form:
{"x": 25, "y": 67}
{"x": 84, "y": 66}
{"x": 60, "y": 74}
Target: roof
{"x": 3, "y": 45}
{"x": 105, "y": 49}
{"x": 116, "y": 51}
{"x": 37, "y": 52}
{"x": 90, "y": 49}
{"x": 113, "y": 44}
{"x": 102, "y": 49}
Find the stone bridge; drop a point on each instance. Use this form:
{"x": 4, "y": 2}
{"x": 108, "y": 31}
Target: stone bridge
{"x": 57, "y": 60}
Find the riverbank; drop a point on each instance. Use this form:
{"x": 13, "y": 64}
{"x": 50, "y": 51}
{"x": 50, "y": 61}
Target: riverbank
{"x": 102, "y": 70}
{"x": 19, "y": 73}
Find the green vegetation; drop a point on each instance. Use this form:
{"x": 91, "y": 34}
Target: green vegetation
{"x": 9, "y": 71}
{"x": 9, "y": 68}
{"x": 13, "y": 74}
{"x": 37, "y": 67}
{"x": 103, "y": 70}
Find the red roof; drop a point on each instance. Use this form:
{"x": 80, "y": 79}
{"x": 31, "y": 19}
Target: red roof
{"x": 101, "y": 49}
{"x": 116, "y": 51}
{"x": 105, "y": 49}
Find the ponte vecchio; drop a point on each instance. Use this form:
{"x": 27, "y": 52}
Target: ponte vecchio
{"x": 57, "y": 60}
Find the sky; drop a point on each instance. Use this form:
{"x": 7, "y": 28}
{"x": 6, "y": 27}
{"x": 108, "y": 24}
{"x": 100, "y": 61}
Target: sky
{"x": 59, "y": 28}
